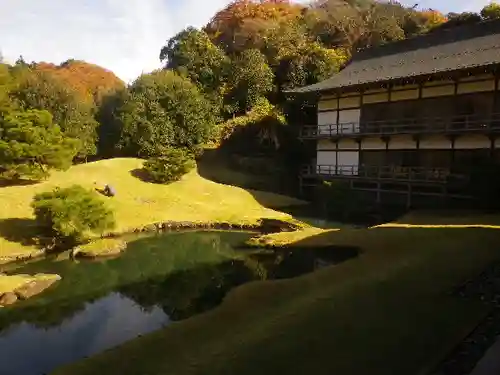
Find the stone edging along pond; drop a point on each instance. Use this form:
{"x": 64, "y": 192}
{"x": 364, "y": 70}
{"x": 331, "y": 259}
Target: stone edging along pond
{"x": 114, "y": 248}
{"x": 264, "y": 225}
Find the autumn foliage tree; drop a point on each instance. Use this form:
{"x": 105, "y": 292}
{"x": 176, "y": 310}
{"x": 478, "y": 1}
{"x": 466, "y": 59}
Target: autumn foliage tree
{"x": 90, "y": 81}
{"x": 237, "y": 25}
{"x": 42, "y": 90}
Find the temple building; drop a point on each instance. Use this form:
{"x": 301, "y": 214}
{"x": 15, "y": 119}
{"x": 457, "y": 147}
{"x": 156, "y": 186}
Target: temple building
{"x": 410, "y": 120}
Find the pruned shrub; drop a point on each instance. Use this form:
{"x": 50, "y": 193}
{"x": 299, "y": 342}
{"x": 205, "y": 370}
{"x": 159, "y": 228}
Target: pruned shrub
{"x": 170, "y": 167}
{"x": 72, "y": 213}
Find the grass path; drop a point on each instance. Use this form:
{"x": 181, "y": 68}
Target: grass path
{"x": 137, "y": 203}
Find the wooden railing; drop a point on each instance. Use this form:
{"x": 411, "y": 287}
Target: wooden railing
{"x": 421, "y": 174}
{"x": 457, "y": 124}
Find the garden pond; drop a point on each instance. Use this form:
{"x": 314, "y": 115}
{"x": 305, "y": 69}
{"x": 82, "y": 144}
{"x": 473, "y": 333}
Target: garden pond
{"x": 159, "y": 279}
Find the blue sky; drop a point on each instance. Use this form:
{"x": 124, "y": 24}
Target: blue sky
{"x": 124, "y": 36}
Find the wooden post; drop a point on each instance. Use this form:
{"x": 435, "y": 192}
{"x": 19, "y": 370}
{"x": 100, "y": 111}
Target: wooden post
{"x": 409, "y": 196}
{"x": 452, "y": 144}
{"x": 336, "y": 156}
{"x": 492, "y": 146}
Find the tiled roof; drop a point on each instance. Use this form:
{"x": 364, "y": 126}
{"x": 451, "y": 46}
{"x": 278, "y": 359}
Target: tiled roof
{"x": 445, "y": 50}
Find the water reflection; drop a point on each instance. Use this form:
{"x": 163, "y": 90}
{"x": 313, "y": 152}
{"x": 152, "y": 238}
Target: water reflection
{"x": 26, "y": 349}
{"x": 158, "y": 279}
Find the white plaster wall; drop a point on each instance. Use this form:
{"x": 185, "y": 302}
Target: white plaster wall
{"x": 348, "y": 162}
{"x": 376, "y": 98}
{"x": 435, "y": 142}
{"x": 348, "y": 144}
{"x": 325, "y": 144}
{"x": 350, "y": 102}
{"x": 349, "y": 121}
{"x": 328, "y": 104}
{"x": 469, "y": 87}
{"x": 472, "y": 141}
{"x": 372, "y": 143}
{"x": 327, "y": 122}
{"x": 404, "y": 95}
{"x": 431, "y": 92}
{"x": 402, "y": 142}
{"x": 325, "y": 162}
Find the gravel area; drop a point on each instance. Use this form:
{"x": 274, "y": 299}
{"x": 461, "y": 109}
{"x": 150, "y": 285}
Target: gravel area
{"x": 467, "y": 354}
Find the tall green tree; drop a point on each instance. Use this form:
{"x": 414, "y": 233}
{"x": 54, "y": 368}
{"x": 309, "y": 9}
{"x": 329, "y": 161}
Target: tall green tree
{"x": 6, "y": 84}
{"x": 43, "y": 91}
{"x": 192, "y": 53}
{"x": 164, "y": 110}
{"x": 310, "y": 64}
{"x": 31, "y": 145}
{"x": 491, "y": 11}
{"x": 109, "y": 116}
{"x": 251, "y": 79}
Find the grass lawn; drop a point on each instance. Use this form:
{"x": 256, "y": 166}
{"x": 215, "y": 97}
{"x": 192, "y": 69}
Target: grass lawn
{"x": 450, "y": 218}
{"x": 286, "y": 238}
{"x": 101, "y": 247}
{"x": 386, "y": 312}
{"x": 137, "y": 203}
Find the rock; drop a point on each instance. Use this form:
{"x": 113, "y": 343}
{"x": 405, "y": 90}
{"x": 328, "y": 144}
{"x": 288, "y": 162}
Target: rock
{"x": 149, "y": 228}
{"x": 224, "y": 226}
{"x": 275, "y": 226}
{"x": 35, "y": 287}
{"x": 8, "y": 299}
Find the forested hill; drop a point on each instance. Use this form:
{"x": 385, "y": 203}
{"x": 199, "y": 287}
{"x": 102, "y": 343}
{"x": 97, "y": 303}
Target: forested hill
{"x": 221, "y": 85}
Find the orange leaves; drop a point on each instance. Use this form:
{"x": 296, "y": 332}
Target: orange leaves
{"x": 229, "y": 23}
{"x": 90, "y": 81}
{"x": 433, "y": 18}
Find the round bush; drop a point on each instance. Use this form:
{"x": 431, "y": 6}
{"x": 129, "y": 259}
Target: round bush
{"x": 71, "y": 213}
{"x": 170, "y": 167}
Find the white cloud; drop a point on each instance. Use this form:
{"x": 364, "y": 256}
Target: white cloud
{"x": 122, "y": 35}
{"x": 449, "y": 5}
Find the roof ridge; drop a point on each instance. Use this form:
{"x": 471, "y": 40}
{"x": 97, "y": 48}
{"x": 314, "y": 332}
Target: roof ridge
{"x": 431, "y": 39}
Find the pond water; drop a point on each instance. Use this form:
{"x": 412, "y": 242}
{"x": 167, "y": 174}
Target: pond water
{"x": 159, "y": 279}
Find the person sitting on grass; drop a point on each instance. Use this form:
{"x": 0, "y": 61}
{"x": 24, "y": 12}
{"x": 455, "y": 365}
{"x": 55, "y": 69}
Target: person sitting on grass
{"x": 109, "y": 191}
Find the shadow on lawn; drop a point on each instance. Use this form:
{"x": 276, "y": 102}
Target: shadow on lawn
{"x": 20, "y": 230}
{"x": 20, "y": 182}
{"x": 141, "y": 174}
